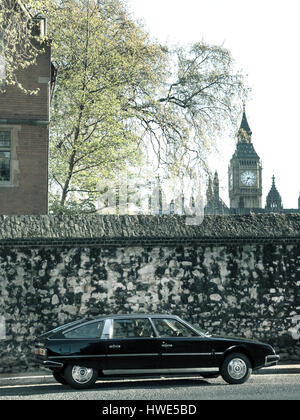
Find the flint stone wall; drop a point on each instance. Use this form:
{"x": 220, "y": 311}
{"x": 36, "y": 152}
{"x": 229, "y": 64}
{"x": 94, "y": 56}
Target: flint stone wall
{"x": 229, "y": 275}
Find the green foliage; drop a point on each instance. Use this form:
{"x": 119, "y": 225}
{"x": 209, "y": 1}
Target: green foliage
{"x": 101, "y": 57}
{"x": 20, "y": 43}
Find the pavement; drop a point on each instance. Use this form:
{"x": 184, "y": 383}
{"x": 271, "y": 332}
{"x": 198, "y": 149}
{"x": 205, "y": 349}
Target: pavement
{"x": 42, "y": 377}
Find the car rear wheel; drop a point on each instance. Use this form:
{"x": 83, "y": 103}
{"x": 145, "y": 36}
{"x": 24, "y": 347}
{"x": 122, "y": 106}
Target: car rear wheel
{"x": 59, "y": 378}
{"x": 80, "y": 377}
{"x": 236, "y": 368}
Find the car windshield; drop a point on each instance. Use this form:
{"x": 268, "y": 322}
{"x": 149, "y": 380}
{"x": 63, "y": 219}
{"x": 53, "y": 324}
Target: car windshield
{"x": 199, "y": 330}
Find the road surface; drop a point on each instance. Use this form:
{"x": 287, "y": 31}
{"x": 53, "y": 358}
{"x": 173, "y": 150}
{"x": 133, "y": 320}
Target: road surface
{"x": 259, "y": 387}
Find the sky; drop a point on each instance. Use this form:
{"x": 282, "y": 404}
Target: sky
{"x": 263, "y": 37}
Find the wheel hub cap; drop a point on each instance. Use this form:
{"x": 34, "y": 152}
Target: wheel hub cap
{"x": 237, "y": 368}
{"x": 82, "y": 374}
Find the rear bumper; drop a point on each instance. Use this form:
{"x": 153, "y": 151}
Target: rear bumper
{"x": 271, "y": 360}
{"x": 50, "y": 364}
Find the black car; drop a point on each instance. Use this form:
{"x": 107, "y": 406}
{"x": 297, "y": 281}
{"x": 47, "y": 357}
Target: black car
{"x": 79, "y": 353}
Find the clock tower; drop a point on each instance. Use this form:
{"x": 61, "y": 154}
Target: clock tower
{"x": 245, "y": 172}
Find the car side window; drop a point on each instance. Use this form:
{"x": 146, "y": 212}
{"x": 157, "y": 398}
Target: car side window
{"x": 167, "y": 327}
{"x": 132, "y": 328}
{"x": 91, "y": 330}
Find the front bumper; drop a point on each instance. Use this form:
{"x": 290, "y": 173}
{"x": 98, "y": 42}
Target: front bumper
{"x": 271, "y": 360}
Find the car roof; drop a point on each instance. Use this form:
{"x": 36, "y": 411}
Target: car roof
{"x": 135, "y": 315}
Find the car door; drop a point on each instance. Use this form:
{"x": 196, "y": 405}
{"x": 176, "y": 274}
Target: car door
{"x": 132, "y": 345}
{"x": 181, "y": 347}
{"x": 85, "y": 345}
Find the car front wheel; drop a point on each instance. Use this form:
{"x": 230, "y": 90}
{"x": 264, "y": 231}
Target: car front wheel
{"x": 236, "y": 368}
{"x": 80, "y": 377}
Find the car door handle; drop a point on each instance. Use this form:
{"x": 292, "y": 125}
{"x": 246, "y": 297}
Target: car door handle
{"x": 114, "y": 346}
{"x": 167, "y": 346}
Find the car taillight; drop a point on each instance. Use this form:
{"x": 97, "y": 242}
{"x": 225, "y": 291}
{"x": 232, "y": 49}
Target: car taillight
{"x": 43, "y": 352}
{"x": 40, "y": 351}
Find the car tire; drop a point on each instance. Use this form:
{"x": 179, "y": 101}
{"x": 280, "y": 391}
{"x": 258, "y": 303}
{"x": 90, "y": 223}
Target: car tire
{"x": 80, "y": 377}
{"x": 236, "y": 369}
{"x": 59, "y": 378}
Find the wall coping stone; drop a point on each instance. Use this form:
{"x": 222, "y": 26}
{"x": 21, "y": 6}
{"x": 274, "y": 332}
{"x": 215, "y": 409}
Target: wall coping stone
{"x": 136, "y": 230}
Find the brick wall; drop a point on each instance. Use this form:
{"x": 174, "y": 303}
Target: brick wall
{"x": 27, "y": 116}
{"x": 17, "y": 105}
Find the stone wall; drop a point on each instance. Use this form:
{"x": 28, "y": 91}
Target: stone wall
{"x": 234, "y": 275}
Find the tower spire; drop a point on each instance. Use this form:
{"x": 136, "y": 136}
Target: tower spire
{"x": 244, "y": 133}
{"x": 274, "y": 202}
{"x": 216, "y": 187}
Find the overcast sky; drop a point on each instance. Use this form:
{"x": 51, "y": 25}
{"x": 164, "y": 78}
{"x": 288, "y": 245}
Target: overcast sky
{"x": 263, "y": 37}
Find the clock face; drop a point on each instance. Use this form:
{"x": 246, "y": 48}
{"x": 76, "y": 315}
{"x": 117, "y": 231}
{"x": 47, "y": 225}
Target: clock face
{"x": 248, "y": 178}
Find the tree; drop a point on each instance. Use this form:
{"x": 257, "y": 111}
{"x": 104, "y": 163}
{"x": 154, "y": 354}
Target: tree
{"x": 201, "y": 98}
{"x": 103, "y": 59}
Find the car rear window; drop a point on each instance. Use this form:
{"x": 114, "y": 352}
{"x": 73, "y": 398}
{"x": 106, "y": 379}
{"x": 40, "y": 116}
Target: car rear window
{"x": 90, "y": 330}
{"x": 64, "y": 327}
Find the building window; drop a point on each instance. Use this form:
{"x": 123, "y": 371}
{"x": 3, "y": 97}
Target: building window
{"x": 5, "y": 155}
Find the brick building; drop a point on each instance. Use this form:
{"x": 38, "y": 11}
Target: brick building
{"x": 24, "y": 139}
